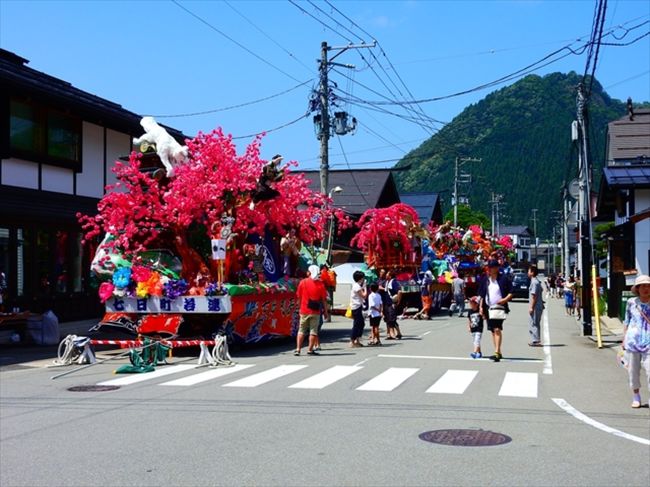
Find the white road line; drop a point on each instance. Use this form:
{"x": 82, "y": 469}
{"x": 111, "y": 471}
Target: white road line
{"x": 591, "y": 422}
{"x": 388, "y": 380}
{"x": 548, "y": 363}
{"x": 266, "y": 376}
{"x": 207, "y": 375}
{"x": 161, "y": 372}
{"x": 425, "y": 333}
{"x": 453, "y": 382}
{"x": 433, "y": 357}
{"x": 327, "y": 377}
{"x": 519, "y": 384}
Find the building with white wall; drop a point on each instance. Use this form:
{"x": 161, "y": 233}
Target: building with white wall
{"x": 58, "y": 145}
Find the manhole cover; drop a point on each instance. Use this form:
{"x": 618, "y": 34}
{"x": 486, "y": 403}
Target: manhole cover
{"x": 93, "y": 388}
{"x": 465, "y": 437}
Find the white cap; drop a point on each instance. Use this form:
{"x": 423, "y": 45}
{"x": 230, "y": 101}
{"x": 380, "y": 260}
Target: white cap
{"x": 314, "y": 271}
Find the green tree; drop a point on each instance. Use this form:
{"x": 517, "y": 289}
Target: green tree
{"x": 467, "y": 217}
{"x": 522, "y": 134}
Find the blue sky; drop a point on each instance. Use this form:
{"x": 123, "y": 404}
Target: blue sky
{"x": 183, "y": 57}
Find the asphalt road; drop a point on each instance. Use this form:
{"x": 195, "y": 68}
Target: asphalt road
{"x": 346, "y": 417}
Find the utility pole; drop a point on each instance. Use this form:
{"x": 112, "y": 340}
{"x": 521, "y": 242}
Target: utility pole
{"x": 322, "y": 120}
{"x": 325, "y": 120}
{"x": 534, "y": 210}
{"x": 565, "y": 233}
{"x": 459, "y": 162}
{"x": 584, "y": 220}
{"x": 494, "y": 201}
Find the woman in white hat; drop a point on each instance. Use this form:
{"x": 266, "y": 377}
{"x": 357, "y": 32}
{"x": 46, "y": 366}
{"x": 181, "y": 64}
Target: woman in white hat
{"x": 636, "y": 337}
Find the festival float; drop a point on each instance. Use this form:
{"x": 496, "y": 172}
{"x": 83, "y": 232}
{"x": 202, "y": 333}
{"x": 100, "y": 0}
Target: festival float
{"x": 393, "y": 239}
{"x": 198, "y": 240}
{"x": 453, "y": 251}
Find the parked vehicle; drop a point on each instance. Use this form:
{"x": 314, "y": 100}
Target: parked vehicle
{"x": 520, "y": 285}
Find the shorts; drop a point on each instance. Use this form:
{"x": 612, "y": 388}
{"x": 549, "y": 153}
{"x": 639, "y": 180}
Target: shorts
{"x": 476, "y": 339}
{"x": 309, "y": 323}
{"x": 495, "y": 324}
{"x": 375, "y": 320}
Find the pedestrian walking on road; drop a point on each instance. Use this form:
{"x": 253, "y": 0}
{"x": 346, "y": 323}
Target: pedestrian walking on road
{"x": 495, "y": 290}
{"x": 375, "y": 306}
{"x": 568, "y": 296}
{"x": 391, "y": 297}
{"x": 552, "y": 284}
{"x": 475, "y": 324}
{"x": 426, "y": 293}
{"x": 312, "y": 297}
{"x": 535, "y": 307}
{"x": 358, "y": 295}
{"x": 458, "y": 289}
{"x": 636, "y": 336}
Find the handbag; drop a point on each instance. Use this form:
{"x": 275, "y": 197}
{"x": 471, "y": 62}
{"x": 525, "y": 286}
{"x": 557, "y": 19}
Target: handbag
{"x": 497, "y": 313}
{"x": 348, "y": 312}
{"x": 313, "y": 305}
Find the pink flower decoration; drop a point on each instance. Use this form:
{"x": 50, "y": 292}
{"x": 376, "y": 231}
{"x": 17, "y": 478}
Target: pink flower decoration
{"x": 106, "y": 291}
{"x": 140, "y": 273}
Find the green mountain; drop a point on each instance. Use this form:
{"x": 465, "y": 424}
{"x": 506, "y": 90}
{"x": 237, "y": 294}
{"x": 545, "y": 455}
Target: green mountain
{"x": 522, "y": 133}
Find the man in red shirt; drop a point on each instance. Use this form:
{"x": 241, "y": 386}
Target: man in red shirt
{"x": 312, "y": 296}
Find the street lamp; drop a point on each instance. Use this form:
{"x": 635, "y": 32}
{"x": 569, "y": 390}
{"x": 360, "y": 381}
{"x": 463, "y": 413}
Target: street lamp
{"x": 330, "y": 238}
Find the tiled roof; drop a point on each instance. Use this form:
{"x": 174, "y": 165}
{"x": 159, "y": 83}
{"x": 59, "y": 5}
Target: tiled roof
{"x": 423, "y": 203}
{"x": 514, "y": 230}
{"x": 627, "y": 176}
{"x": 362, "y": 189}
{"x": 628, "y": 140}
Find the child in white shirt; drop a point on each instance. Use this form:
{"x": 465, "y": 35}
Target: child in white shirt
{"x": 374, "y": 311}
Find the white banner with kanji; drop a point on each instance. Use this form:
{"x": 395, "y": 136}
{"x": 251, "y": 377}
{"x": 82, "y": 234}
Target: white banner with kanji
{"x": 182, "y": 304}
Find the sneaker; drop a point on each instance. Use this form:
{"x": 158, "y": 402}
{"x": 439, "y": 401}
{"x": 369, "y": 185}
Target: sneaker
{"x": 296, "y": 352}
{"x": 497, "y": 357}
{"x": 636, "y": 401}
{"x": 312, "y": 352}
{"x": 475, "y": 355}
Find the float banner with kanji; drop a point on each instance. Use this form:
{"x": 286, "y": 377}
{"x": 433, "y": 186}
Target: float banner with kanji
{"x": 259, "y": 317}
{"x": 182, "y": 304}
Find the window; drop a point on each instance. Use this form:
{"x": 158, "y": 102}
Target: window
{"x": 44, "y": 134}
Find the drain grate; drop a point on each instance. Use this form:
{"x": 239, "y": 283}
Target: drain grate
{"x": 93, "y": 388}
{"x": 465, "y": 437}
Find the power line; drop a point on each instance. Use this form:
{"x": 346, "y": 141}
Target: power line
{"x": 418, "y": 114}
{"x": 239, "y": 44}
{"x": 273, "y": 129}
{"x": 546, "y": 60}
{"x": 232, "y": 107}
{"x": 628, "y": 79}
{"x": 291, "y": 55}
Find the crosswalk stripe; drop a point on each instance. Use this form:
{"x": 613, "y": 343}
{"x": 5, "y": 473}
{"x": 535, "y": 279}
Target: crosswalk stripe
{"x": 266, "y": 376}
{"x": 453, "y": 382}
{"x": 388, "y": 380}
{"x": 327, "y": 377}
{"x": 207, "y": 375}
{"x": 161, "y": 372}
{"x": 519, "y": 384}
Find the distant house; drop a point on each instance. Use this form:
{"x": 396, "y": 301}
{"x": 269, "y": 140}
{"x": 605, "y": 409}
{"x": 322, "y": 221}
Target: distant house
{"x": 362, "y": 189}
{"x": 521, "y": 238}
{"x": 624, "y": 198}
{"x": 58, "y": 145}
{"x": 427, "y": 205}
